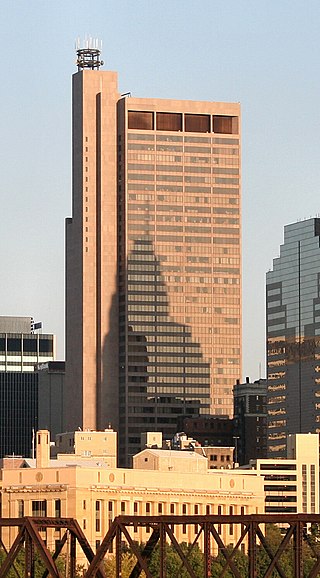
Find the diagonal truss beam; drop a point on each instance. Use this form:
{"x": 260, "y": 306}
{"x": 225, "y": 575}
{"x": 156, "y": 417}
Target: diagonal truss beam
{"x": 6, "y": 552}
{"x": 222, "y": 547}
{"x": 31, "y": 529}
{"x": 274, "y": 557}
{"x": 102, "y": 550}
{"x": 178, "y": 549}
{"x": 13, "y": 552}
{"x": 146, "y": 552}
{"x": 57, "y": 552}
{"x": 142, "y": 560}
{"x": 77, "y": 532}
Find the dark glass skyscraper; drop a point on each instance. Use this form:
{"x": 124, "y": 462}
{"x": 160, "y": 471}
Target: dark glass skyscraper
{"x": 293, "y": 336}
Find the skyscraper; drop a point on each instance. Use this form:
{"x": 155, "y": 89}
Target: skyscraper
{"x": 153, "y": 259}
{"x": 293, "y": 336}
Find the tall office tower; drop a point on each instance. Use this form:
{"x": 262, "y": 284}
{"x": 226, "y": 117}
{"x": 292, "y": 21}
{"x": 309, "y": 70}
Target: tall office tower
{"x": 21, "y": 348}
{"x": 250, "y": 420}
{"x": 153, "y": 259}
{"x": 293, "y": 336}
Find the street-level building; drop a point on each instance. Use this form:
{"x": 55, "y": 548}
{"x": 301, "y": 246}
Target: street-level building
{"x": 94, "y": 493}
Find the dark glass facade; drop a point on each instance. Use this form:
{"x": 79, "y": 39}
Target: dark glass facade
{"x": 250, "y": 420}
{"x": 293, "y": 336}
{"x": 20, "y": 352}
{"x": 18, "y": 412}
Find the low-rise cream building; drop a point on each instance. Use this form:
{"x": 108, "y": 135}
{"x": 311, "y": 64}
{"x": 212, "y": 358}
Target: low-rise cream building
{"x": 91, "y": 491}
{"x": 100, "y": 445}
{"x": 292, "y": 485}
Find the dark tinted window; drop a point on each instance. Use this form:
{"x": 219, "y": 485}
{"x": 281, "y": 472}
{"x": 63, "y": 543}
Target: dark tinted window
{"x": 169, "y": 121}
{"x": 140, "y": 120}
{"x": 197, "y": 123}
{"x": 30, "y": 345}
{"x": 13, "y": 344}
{"x": 225, "y": 124}
{"x": 45, "y": 346}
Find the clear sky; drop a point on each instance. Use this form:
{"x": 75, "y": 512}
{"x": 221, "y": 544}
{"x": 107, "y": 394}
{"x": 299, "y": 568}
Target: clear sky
{"x": 263, "y": 53}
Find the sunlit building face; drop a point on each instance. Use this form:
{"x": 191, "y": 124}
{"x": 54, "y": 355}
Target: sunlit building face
{"x": 176, "y": 237}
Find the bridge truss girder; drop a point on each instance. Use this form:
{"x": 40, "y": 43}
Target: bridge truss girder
{"x": 162, "y": 532}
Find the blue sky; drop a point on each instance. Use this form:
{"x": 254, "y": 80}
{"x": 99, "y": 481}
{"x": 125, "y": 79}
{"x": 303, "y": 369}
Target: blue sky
{"x": 264, "y": 54}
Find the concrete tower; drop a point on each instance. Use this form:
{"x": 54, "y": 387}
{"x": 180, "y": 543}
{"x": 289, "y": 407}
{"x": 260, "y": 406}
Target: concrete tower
{"x": 153, "y": 260}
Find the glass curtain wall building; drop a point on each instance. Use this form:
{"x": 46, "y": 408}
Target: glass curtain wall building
{"x": 293, "y": 336}
{"x": 21, "y": 349}
{"x": 154, "y": 252}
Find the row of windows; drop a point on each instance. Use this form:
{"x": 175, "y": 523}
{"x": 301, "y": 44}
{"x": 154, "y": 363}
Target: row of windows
{"x": 183, "y": 379}
{"x": 148, "y": 214}
{"x": 202, "y": 331}
{"x": 176, "y": 168}
{"x": 162, "y": 277}
{"x": 25, "y": 345}
{"x": 172, "y": 248}
{"x": 139, "y": 257}
{"x": 132, "y": 298}
{"x": 231, "y": 161}
{"x": 174, "y": 368}
{"x": 144, "y": 287}
{"x": 39, "y": 508}
{"x": 149, "y": 317}
{"x": 195, "y": 203}
{"x": 176, "y": 138}
{"x": 183, "y": 308}
{"x": 161, "y": 238}
{"x": 217, "y": 204}
{"x": 189, "y": 150}
{"x": 172, "y": 121}
{"x": 145, "y": 267}
{"x": 145, "y": 358}
{"x": 187, "y": 179}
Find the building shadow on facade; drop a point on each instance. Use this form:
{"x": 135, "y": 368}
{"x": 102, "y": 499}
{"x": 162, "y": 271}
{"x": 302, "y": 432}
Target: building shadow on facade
{"x": 162, "y": 371}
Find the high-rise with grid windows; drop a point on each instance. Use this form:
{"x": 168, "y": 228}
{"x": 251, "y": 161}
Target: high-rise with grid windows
{"x": 293, "y": 336}
{"x": 153, "y": 260}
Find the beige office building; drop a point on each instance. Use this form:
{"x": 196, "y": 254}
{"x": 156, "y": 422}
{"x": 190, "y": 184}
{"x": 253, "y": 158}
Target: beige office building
{"x": 153, "y": 260}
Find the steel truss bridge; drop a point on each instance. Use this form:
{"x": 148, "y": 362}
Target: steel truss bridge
{"x": 28, "y": 540}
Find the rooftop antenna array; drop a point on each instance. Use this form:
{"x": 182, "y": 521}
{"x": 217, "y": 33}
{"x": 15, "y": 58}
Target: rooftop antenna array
{"x": 89, "y": 53}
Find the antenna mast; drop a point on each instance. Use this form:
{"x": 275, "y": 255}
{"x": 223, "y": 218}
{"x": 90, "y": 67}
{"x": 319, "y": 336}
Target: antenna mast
{"x": 89, "y": 54}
